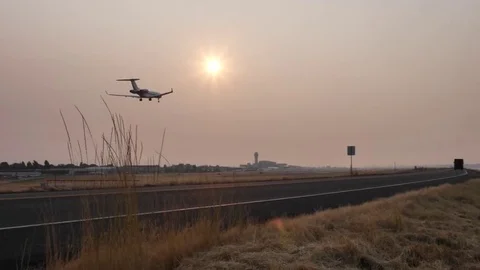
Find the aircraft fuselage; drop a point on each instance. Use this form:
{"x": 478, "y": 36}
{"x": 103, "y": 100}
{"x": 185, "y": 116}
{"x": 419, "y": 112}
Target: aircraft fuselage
{"x": 145, "y": 93}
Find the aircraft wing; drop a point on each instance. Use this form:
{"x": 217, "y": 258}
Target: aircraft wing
{"x": 166, "y": 93}
{"x": 122, "y": 95}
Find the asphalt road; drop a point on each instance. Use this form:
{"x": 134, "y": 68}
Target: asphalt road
{"x": 24, "y": 217}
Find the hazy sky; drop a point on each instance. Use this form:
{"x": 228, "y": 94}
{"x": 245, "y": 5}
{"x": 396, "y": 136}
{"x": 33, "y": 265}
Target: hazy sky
{"x": 301, "y": 79}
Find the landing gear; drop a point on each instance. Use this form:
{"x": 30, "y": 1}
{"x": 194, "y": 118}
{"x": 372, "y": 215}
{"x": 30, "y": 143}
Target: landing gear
{"x": 140, "y": 99}
{"x": 150, "y": 99}
{"x": 158, "y": 100}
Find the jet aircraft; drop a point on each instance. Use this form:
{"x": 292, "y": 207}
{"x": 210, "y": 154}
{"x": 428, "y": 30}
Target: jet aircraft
{"x": 140, "y": 93}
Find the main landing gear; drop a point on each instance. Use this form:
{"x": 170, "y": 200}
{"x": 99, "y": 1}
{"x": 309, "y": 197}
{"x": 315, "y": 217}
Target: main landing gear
{"x": 150, "y": 99}
{"x": 157, "y": 99}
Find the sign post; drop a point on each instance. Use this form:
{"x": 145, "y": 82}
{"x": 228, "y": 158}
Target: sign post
{"x": 351, "y": 153}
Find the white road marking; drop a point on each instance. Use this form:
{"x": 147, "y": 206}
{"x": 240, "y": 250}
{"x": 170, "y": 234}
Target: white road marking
{"x": 229, "y": 204}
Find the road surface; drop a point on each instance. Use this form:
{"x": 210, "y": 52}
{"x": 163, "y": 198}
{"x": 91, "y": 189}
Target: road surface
{"x": 27, "y": 216}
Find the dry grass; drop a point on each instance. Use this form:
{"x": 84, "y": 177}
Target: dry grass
{"x": 21, "y": 186}
{"x": 172, "y": 179}
{"x": 66, "y": 182}
{"x": 132, "y": 248}
{"x": 435, "y": 228}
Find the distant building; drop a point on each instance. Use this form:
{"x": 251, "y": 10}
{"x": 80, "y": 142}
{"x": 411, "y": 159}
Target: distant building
{"x": 266, "y": 164}
{"x": 263, "y": 164}
{"x": 282, "y": 165}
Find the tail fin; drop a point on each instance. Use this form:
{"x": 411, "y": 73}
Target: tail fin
{"x": 134, "y": 84}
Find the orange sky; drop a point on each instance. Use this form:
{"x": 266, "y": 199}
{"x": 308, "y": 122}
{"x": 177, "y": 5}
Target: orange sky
{"x": 301, "y": 80}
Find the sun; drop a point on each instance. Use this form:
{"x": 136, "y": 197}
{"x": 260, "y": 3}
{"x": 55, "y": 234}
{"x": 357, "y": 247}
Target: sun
{"x": 213, "y": 66}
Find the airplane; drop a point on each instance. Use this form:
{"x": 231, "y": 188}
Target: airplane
{"x": 141, "y": 93}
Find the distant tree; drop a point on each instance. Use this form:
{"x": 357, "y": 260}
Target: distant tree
{"x": 194, "y": 168}
{"x": 4, "y": 165}
{"x": 180, "y": 168}
{"x": 29, "y": 165}
{"x": 83, "y": 165}
{"x": 46, "y": 164}
{"x": 22, "y": 165}
{"x": 201, "y": 169}
{"x": 36, "y": 165}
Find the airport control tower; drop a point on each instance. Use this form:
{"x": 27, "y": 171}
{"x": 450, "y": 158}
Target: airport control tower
{"x": 256, "y": 158}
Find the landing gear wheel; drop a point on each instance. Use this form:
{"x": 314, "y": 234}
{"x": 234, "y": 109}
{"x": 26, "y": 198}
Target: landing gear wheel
{"x": 140, "y": 99}
{"x": 150, "y": 99}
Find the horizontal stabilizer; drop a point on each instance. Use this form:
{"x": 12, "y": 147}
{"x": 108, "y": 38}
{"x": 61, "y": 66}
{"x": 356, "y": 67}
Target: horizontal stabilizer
{"x": 131, "y": 80}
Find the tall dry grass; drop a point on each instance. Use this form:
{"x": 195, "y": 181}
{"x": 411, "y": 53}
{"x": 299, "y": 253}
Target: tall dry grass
{"x": 122, "y": 149}
{"x": 128, "y": 242}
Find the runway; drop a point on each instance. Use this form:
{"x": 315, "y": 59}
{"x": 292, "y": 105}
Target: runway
{"x": 27, "y": 215}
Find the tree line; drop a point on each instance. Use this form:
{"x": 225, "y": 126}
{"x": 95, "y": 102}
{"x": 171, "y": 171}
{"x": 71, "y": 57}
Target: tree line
{"x": 174, "y": 168}
{"x": 36, "y": 165}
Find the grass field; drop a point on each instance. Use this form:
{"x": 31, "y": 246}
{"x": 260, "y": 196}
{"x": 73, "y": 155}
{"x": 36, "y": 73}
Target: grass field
{"x": 97, "y": 181}
{"x": 434, "y": 228}
{"x": 20, "y": 186}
